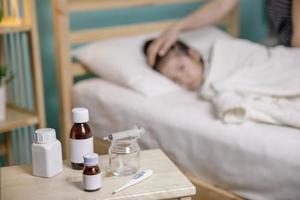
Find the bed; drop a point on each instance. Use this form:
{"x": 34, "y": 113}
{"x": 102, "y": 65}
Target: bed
{"x": 255, "y": 161}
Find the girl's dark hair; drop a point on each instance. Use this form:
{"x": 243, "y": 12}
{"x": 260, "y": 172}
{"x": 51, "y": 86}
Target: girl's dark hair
{"x": 179, "y": 44}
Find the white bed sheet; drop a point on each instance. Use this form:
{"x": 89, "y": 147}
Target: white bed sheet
{"x": 257, "y": 161}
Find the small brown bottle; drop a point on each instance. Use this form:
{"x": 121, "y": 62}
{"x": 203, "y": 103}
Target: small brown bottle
{"x": 92, "y": 180}
{"x": 81, "y": 138}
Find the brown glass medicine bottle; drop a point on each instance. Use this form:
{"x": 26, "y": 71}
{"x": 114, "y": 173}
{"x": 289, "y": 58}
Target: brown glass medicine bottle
{"x": 81, "y": 138}
{"x": 92, "y": 180}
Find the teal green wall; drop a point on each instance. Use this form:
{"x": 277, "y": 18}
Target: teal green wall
{"x": 253, "y": 20}
{"x": 252, "y": 27}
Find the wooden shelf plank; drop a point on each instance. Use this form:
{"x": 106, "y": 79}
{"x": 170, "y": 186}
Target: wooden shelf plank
{"x": 9, "y": 26}
{"x": 14, "y": 29}
{"x": 79, "y": 5}
{"x": 16, "y": 118}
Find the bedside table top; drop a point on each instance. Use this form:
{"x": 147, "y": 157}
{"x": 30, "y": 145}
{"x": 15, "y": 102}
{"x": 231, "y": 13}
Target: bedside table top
{"x": 166, "y": 182}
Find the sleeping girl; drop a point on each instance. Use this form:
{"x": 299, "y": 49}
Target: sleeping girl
{"x": 245, "y": 80}
{"x": 181, "y": 63}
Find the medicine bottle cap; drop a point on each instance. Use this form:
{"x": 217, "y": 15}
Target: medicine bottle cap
{"x": 91, "y": 159}
{"x": 45, "y": 135}
{"x": 80, "y": 115}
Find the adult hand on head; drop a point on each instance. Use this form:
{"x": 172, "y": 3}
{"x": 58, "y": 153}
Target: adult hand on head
{"x": 162, "y": 44}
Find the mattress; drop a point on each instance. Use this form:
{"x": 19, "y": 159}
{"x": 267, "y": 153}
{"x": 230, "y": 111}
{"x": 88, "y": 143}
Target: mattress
{"x": 256, "y": 161}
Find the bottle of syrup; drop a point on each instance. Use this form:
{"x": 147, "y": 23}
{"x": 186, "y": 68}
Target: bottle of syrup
{"x": 91, "y": 174}
{"x": 81, "y": 138}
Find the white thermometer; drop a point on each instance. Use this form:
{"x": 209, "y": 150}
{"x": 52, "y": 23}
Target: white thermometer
{"x": 138, "y": 177}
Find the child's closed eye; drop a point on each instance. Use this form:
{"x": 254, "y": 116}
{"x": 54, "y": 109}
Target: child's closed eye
{"x": 176, "y": 80}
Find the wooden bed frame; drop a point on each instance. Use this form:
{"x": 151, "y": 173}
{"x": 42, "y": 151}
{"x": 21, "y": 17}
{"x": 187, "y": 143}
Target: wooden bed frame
{"x": 68, "y": 70}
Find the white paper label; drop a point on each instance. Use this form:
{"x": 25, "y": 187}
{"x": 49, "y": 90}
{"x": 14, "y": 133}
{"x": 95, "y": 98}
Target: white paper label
{"x": 79, "y": 148}
{"x": 92, "y": 182}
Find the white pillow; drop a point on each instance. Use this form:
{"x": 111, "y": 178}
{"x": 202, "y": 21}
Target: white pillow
{"x": 122, "y": 61}
{"x": 202, "y": 39}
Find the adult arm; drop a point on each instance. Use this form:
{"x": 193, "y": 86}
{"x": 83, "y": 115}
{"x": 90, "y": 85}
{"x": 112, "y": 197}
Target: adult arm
{"x": 211, "y": 13}
{"x": 295, "y": 42}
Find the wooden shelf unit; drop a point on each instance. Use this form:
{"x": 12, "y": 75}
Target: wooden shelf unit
{"x": 19, "y": 117}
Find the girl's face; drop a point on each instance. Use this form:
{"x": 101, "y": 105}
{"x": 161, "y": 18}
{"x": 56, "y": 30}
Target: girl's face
{"x": 183, "y": 70}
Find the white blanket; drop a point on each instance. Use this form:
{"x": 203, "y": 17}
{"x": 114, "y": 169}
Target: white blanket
{"x": 247, "y": 81}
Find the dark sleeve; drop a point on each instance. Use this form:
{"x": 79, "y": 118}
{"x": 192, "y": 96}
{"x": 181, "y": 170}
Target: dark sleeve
{"x": 280, "y": 19}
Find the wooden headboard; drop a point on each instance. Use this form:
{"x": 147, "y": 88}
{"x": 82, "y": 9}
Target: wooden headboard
{"x": 65, "y": 38}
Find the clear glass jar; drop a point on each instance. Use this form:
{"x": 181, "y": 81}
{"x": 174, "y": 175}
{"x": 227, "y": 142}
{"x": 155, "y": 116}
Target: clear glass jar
{"x": 124, "y": 156}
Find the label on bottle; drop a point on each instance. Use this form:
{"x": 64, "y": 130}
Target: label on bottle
{"x": 92, "y": 182}
{"x": 79, "y": 148}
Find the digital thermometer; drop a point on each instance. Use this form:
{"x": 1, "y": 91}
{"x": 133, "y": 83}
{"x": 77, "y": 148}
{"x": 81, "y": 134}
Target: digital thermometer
{"x": 138, "y": 177}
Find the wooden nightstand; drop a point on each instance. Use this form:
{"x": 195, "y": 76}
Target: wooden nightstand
{"x": 167, "y": 182}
